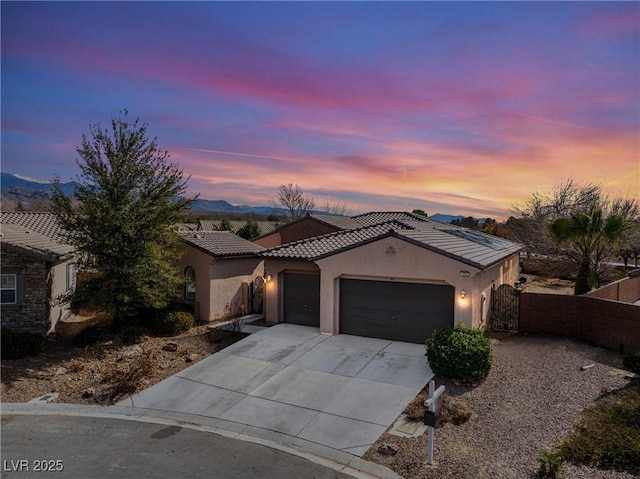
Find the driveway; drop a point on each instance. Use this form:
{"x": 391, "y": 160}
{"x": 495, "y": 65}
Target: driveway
{"x": 331, "y": 396}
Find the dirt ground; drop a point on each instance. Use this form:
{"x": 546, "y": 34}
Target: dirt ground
{"x": 107, "y": 371}
{"x": 538, "y": 284}
{"x": 531, "y": 399}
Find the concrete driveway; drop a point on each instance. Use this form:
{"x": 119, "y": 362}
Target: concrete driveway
{"x": 331, "y": 396}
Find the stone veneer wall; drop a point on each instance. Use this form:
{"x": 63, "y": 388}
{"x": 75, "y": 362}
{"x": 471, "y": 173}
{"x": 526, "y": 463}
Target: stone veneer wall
{"x": 31, "y": 312}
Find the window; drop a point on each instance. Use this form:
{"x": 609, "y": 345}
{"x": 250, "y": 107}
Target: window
{"x": 71, "y": 276}
{"x": 9, "y": 288}
{"x": 190, "y": 283}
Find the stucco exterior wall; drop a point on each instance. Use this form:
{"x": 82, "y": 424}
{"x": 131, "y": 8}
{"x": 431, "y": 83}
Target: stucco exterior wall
{"x": 269, "y": 241}
{"x": 226, "y": 293}
{"x": 303, "y": 229}
{"x": 200, "y": 262}
{"x": 273, "y": 290}
{"x": 219, "y": 282}
{"x": 58, "y": 281}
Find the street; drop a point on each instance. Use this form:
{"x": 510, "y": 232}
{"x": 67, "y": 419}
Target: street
{"x": 56, "y": 446}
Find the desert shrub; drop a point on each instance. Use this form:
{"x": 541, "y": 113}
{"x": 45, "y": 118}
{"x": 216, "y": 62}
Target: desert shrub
{"x": 168, "y": 322}
{"x": 461, "y": 353}
{"x": 550, "y": 465}
{"x": 415, "y": 409}
{"x": 454, "y": 410}
{"x": 235, "y": 326}
{"x": 90, "y": 336}
{"x": 632, "y": 363}
{"x": 18, "y": 344}
{"x": 125, "y": 380}
{"x": 608, "y": 433}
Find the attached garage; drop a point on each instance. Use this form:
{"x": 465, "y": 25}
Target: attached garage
{"x": 399, "y": 277}
{"x": 301, "y": 299}
{"x": 394, "y": 310}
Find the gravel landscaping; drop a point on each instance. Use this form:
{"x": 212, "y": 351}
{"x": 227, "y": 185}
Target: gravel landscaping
{"x": 533, "y": 395}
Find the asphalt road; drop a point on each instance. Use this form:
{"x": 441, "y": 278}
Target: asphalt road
{"x": 72, "y": 447}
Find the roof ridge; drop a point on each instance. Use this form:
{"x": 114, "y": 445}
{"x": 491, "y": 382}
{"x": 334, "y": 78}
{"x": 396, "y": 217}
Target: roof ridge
{"x": 338, "y": 233}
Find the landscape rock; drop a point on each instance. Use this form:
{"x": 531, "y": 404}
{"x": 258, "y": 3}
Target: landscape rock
{"x": 130, "y": 352}
{"x": 88, "y": 393}
{"x": 170, "y": 346}
{"x": 192, "y": 357}
{"x": 61, "y": 371}
{"x": 388, "y": 450}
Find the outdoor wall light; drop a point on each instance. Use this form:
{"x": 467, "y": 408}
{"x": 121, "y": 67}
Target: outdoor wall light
{"x": 463, "y": 294}
{"x": 268, "y": 278}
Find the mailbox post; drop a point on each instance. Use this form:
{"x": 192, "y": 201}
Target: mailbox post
{"x": 432, "y": 416}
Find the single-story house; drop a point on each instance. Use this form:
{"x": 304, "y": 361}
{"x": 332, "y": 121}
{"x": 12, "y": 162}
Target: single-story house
{"x": 37, "y": 268}
{"x": 397, "y": 276}
{"x": 222, "y": 274}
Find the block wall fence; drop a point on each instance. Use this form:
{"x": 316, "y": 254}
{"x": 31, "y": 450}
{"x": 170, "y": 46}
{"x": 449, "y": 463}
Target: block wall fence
{"x": 600, "y": 317}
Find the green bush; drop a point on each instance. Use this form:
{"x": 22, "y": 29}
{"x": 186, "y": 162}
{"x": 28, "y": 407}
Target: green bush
{"x": 461, "y": 353}
{"x": 90, "y": 336}
{"x": 18, "y": 344}
{"x": 170, "y": 323}
{"x": 550, "y": 465}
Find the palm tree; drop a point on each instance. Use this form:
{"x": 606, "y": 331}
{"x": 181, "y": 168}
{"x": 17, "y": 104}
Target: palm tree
{"x": 590, "y": 235}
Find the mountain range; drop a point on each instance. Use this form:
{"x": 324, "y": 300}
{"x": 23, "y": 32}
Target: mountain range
{"x": 20, "y": 189}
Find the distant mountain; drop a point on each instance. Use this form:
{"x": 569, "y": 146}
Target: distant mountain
{"x": 19, "y": 189}
{"x": 9, "y": 181}
{"x": 445, "y": 218}
{"x": 221, "y": 206}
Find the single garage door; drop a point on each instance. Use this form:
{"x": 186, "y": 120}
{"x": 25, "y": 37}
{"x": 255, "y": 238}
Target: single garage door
{"x": 392, "y": 310}
{"x": 301, "y": 299}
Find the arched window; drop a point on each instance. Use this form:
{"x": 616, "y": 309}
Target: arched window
{"x": 189, "y": 283}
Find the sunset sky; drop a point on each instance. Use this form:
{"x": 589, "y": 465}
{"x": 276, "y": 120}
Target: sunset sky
{"x": 458, "y": 108}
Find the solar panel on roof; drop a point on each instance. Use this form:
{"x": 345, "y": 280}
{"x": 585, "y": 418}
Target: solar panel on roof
{"x": 480, "y": 238}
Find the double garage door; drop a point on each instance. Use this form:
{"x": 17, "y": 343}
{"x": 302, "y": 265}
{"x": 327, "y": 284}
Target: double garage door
{"x": 379, "y": 309}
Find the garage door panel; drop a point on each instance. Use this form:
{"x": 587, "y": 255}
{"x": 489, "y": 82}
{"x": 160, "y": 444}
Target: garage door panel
{"x": 301, "y": 299}
{"x": 394, "y": 310}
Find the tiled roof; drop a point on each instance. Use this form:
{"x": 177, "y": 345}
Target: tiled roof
{"x": 220, "y": 243}
{"x": 43, "y": 223}
{"x": 342, "y": 222}
{"x": 332, "y": 243}
{"x": 377, "y": 217}
{"x": 265, "y": 227}
{"x": 33, "y": 242}
{"x": 468, "y": 246}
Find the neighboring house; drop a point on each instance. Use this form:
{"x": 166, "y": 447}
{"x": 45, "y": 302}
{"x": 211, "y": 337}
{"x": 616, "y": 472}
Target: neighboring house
{"x": 265, "y": 227}
{"x": 306, "y": 227}
{"x": 397, "y": 276}
{"x": 37, "y": 267}
{"x": 221, "y": 273}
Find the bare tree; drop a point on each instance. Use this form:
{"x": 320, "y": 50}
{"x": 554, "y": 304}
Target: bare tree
{"x": 541, "y": 208}
{"x": 292, "y": 199}
{"x": 337, "y": 208}
{"x": 578, "y": 222}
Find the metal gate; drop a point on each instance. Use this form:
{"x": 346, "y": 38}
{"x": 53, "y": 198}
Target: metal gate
{"x": 505, "y": 308}
{"x": 256, "y": 294}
